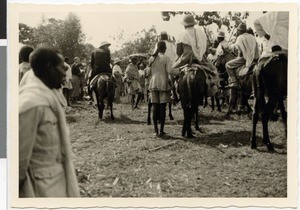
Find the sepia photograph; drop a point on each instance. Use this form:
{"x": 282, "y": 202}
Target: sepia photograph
{"x": 182, "y": 102}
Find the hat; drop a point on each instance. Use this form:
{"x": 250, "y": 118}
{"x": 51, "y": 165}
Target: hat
{"x": 188, "y": 20}
{"x": 104, "y": 43}
{"x": 221, "y": 34}
{"x": 117, "y": 60}
{"x": 242, "y": 27}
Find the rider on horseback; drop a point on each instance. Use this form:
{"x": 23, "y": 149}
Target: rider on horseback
{"x": 100, "y": 63}
{"x": 273, "y": 27}
{"x": 191, "y": 45}
{"x": 223, "y": 44}
{"x": 191, "y": 48}
{"x": 247, "y": 53}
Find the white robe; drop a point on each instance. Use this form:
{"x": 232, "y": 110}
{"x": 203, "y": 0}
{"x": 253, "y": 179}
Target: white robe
{"x": 276, "y": 24}
{"x": 196, "y": 38}
{"x": 246, "y": 43}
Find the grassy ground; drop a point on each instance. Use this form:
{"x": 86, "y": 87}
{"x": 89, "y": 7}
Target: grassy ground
{"x": 124, "y": 159}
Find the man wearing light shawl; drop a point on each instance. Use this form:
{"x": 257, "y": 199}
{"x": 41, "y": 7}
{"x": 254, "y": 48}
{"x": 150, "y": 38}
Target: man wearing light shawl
{"x": 191, "y": 47}
{"x": 45, "y": 156}
{"x": 247, "y": 53}
{"x": 274, "y": 26}
{"x": 132, "y": 77}
{"x": 191, "y": 44}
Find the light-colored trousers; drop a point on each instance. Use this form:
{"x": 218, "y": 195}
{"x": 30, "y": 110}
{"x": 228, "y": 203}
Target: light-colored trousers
{"x": 232, "y": 66}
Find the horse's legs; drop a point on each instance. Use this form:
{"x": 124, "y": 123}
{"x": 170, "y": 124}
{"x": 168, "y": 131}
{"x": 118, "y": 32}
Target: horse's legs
{"x": 184, "y": 127}
{"x": 284, "y": 115}
{"x": 232, "y": 101}
{"x": 212, "y": 99}
{"x": 111, "y": 110}
{"x": 100, "y": 108}
{"x": 170, "y": 111}
{"x": 190, "y": 113}
{"x": 197, "y": 119}
{"x": 266, "y": 113}
{"x": 218, "y": 103}
{"x": 149, "y": 112}
{"x": 255, "y": 118}
{"x": 241, "y": 102}
{"x": 155, "y": 116}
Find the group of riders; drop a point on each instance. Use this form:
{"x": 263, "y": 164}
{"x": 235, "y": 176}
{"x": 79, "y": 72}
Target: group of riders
{"x": 169, "y": 60}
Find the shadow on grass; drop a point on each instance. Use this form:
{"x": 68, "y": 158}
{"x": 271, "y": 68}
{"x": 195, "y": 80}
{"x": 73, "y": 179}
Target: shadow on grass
{"x": 123, "y": 119}
{"x": 233, "y": 139}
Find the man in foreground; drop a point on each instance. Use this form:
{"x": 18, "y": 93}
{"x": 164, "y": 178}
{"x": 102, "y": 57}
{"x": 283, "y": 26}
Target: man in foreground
{"x": 45, "y": 165}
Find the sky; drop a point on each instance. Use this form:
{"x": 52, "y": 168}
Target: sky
{"x": 100, "y": 26}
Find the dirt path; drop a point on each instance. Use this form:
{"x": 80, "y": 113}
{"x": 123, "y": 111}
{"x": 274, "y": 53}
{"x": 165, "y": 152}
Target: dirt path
{"x": 124, "y": 159}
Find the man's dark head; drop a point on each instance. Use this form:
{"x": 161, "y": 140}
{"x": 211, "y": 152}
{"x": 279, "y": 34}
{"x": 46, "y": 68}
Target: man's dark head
{"x": 276, "y": 48}
{"x": 161, "y": 46}
{"x": 67, "y": 60}
{"x": 242, "y": 28}
{"x": 47, "y": 64}
{"x": 24, "y": 53}
{"x": 163, "y": 35}
{"x": 134, "y": 60}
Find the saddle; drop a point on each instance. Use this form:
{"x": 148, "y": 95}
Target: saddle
{"x": 102, "y": 76}
{"x": 211, "y": 77}
{"x": 282, "y": 54}
{"x": 105, "y": 77}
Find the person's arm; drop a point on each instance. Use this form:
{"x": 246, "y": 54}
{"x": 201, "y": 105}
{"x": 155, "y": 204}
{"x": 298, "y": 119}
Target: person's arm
{"x": 28, "y": 125}
{"x": 179, "y": 49}
{"x": 168, "y": 65}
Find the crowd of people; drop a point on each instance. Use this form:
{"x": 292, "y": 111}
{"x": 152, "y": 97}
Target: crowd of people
{"x": 49, "y": 82}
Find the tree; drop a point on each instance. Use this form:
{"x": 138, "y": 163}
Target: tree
{"x": 207, "y": 19}
{"x": 26, "y": 35}
{"x": 141, "y": 42}
{"x": 65, "y": 34}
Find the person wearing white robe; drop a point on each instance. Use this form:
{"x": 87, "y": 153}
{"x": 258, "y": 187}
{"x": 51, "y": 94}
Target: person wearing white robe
{"x": 247, "y": 53}
{"x": 274, "y": 26}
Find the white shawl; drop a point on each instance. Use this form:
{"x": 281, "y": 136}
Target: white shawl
{"x": 32, "y": 93}
{"x": 248, "y": 46}
{"x": 196, "y": 38}
{"x": 276, "y": 24}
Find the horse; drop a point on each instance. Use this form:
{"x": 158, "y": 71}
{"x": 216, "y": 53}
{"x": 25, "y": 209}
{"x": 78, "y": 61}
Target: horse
{"x": 192, "y": 89}
{"x": 245, "y": 81}
{"x": 104, "y": 88}
{"x": 270, "y": 82}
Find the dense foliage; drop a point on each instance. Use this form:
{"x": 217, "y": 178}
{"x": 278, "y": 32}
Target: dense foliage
{"x": 140, "y": 42}
{"x": 206, "y": 19}
{"x": 65, "y": 34}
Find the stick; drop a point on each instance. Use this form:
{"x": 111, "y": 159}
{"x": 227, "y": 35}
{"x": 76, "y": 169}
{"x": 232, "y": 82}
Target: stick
{"x": 157, "y": 148}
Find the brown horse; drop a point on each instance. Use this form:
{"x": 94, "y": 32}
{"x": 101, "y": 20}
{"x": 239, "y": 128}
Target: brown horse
{"x": 104, "y": 89}
{"x": 272, "y": 83}
{"x": 237, "y": 96}
{"x": 192, "y": 89}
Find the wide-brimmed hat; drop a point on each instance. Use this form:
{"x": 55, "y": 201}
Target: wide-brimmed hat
{"x": 221, "y": 34}
{"x": 188, "y": 20}
{"x": 117, "y": 60}
{"x": 104, "y": 43}
{"x": 242, "y": 27}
